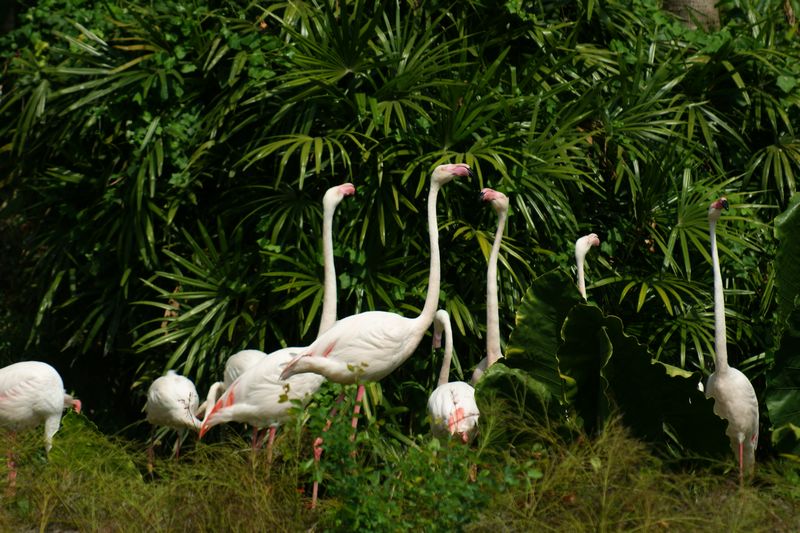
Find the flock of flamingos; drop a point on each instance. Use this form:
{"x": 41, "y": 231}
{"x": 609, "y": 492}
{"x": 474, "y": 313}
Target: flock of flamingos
{"x": 260, "y": 389}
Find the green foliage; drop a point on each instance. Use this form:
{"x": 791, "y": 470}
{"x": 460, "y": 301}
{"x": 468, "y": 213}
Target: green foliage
{"x": 592, "y": 368}
{"x": 175, "y": 154}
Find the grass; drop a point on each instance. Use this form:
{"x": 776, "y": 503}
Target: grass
{"x": 545, "y": 482}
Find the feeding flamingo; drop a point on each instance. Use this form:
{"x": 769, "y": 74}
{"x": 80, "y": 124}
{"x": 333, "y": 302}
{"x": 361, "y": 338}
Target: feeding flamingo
{"x": 499, "y": 202}
{"x": 451, "y": 406}
{"x": 32, "y": 393}
{"x": 173, "y": 402}
{"x": 734, "y": 397}
{"x": 369, "y": 346}
{"x": 582, "y": 247}
{"x": 258, "y": 396}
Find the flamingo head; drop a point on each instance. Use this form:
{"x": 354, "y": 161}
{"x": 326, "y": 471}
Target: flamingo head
{"x": 439, "y": 321}
{"x": 585, "y": 243}
{"x": 716, "y": 207}
{"x": 336, "y": 194}
{"x": 444, "y": 173}
{"x": 498, "y": 200}
{"x": 76, "y": 405}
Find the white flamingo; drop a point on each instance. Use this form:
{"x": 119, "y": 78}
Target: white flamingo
{"x": 32, "y": 393}
{"x": 499, "y": 202}
{"x": 257, "y": 395}
{"x": 582, "y": 247}
{"x": 173, "y": 402}
{"x": 451, "y": 406}
{"x": 369, "y": 346}
{"x": 734, "y": 397}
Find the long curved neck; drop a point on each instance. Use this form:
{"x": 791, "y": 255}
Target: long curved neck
{"x": 432, "y": 299}
{"x": 579, "y": 258}
{"x": 492, "y": 308}
{"x": 444, "y": 373}
{"x": 720, "y": 341}
{"x": 329, "y": 293}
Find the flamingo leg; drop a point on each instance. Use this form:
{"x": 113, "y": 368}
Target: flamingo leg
{"x": 258, "y": 437}
{"x": 272, "y": 431}
{"x": 357, "y": 409}
{"x": 318, "y": 446}
{"x": 12, "y": 471}
{"x": 741, "y": 463}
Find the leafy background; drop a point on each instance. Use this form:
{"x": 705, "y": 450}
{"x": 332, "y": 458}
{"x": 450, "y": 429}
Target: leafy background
{"x": 163, "y": 166}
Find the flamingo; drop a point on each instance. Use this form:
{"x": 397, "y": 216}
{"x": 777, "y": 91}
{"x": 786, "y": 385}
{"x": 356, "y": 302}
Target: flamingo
{"x": 369, "y": 346}
{"x": 499, "y": 202}
{"x": 257, "y": 395}
{"x": 582, "y": 247}
{"x": 734, "y": 397}
{"x": 451, "y": 406}
{"x": 173, "y": 402}
{"x": 31, "y": 393}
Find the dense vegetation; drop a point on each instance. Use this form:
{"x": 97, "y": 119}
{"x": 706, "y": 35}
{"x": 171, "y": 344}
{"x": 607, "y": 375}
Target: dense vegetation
{"x": 162, "y": 168}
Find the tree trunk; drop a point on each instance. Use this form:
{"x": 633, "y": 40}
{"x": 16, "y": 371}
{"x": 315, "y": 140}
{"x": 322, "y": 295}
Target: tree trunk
{"x": 694, "y": 13}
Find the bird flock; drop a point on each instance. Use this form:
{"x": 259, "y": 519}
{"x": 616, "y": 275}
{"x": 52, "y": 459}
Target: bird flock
{"x": 261, "y": 389}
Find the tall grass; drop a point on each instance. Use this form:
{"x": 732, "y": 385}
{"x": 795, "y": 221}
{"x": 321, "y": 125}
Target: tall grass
{"x": 384, "y": 481}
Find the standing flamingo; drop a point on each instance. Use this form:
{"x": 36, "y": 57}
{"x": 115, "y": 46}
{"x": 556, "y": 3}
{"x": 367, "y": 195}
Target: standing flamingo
{"x": 173, "y": 402}
{"x": 258, "y": 396}
{"x": 369, "y": 346}
{"x": 31, "y": 393}
{"x": 451, "y": 406}
{"x": 734, "y": 397}
{"x": 582, "y": 247}
{"x": 499, "y": 202}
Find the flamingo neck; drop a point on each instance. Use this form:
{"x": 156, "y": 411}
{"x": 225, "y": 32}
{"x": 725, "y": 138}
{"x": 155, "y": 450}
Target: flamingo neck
{"x": 328, "y": 316}
{"x": 444, "y": 373}
{"x": 492, "y": 308}
{"x": 579, "y": 260}
{"x": 432, "y": 299}
{"x": 720, "y": 341}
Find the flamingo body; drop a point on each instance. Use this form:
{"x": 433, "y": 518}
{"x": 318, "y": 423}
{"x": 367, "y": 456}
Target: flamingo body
{"x": 735, "y": 401}
{"x": 259, "y": 396}
{"x": 172, "y": 402}
{"x": 32, "y": 393}
{"x": 451, "y": 406}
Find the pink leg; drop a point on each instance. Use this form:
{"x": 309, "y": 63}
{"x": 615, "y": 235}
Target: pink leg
{"x": 318, "y": 446}
{"x": 12, "y": 471}
{"x": 272, "y": 431}
{"x": 357, "y": 409}
{"x": 151, "y": 457}
{"x": 255, "y": 442}
{"x": 741, "y": 463}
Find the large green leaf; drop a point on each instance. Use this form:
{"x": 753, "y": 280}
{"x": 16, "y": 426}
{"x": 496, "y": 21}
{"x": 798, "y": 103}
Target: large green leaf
{"x": 611, "y": 369}
{"x": 783, "y": 388}
{"x": 534, "y": 343}
{"x": 787, "y": 269}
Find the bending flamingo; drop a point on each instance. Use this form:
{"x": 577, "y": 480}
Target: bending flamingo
{"x": 734, "y": 397}
{"x": 173, "y": 402}
{"x": 370, "y": 345}
{"x": 451, "y": 406}
{"x": 258, "y": 396}
{"x": 582, "y": 247}
{"x": 499, "y": 202}
{"x": 32, "y": 393}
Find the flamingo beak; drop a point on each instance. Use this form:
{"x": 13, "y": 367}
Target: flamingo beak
{"x": 76, "y": 404}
